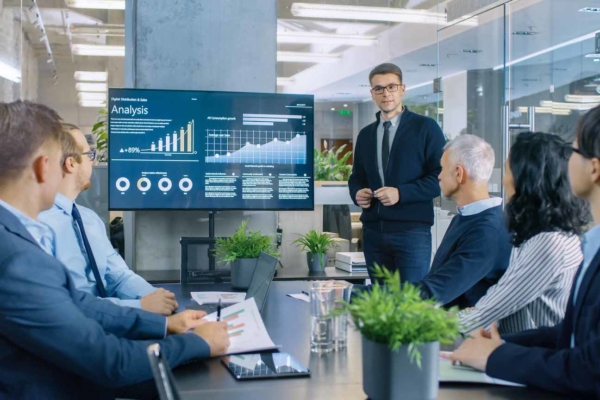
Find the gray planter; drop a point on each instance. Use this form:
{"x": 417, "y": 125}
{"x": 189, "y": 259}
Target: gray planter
{"x": 390, "y": 375}
{"x": 316, "y": 262}
{"x": 241, "y": 272}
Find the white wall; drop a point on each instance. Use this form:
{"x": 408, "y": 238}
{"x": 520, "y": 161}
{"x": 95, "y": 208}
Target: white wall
{"x": 10, "y": 53}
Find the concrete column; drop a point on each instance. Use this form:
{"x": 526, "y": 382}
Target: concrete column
{"x": 203, "y": 45}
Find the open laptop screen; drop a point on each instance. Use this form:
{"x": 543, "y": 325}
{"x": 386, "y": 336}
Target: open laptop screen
{"x": 261, "y": 280}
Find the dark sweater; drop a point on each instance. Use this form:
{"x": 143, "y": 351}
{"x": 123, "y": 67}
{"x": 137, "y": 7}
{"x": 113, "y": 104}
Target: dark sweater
{"x": 413, "y": 168}
{"x": 472, "y": 257}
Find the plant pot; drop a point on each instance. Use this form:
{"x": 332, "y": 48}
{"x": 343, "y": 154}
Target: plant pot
{"x": 316, "y": 262}
{"x": 241, "y": 272}
{"x": 390, "y": 375}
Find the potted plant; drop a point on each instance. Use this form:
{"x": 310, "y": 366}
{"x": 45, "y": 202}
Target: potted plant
{"x": 401, "y": 336}
{"x": 242, "y": 251}
{"x": 100, "y": 133}
{"x": 330, "y": 165}
{"x": 316, "y": 245}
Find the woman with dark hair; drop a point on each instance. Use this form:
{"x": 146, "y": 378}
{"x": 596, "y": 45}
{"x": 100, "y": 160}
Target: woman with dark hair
{"x": 545, "y": 220}
{"x": 565, "y": 358}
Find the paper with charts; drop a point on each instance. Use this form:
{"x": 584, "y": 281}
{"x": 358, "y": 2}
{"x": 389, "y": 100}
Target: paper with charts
{"x": 214, "y": 297}
{"x": 247, "y": 332}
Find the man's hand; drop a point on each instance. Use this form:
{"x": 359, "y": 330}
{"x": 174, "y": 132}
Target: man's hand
{"x": 216, "y": 335}
{"x": 160, "y": 301}
{"x": 388, "y": 195}
{"x": 184, "y": 321}
{"x": 476, "y": 350}
{"x": 363, "y": 197}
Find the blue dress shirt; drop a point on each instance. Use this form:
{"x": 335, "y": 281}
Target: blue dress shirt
{"x": 590, "y": 246}
{"x": 39, "y": 231}
{"x": 479, "y": 206}
{"x": 123, "y": 286}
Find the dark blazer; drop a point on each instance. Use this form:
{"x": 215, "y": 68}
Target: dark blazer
{"x": 544, "y": 358}
{"x": 59, "y": 343}
{"x": 413, "y": 168}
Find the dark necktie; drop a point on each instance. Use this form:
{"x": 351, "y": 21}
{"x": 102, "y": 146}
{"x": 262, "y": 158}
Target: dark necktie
{"x": 88, "y": 250}
{"x": 385, "y": 146}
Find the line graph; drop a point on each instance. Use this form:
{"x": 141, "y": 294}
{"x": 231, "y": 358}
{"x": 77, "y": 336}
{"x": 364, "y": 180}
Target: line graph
{"x": 255, "y": 146}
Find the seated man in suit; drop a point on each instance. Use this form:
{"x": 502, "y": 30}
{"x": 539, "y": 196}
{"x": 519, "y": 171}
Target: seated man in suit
{"x": 564, "y": 358}
{"x": 81, "y": 244}
{"x": 476, "y": 248}
{"x": 56, "y": 341}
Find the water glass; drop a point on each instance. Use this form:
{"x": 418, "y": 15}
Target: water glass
{"x": 343, "y": 291}
{"x": 322, "y": 304}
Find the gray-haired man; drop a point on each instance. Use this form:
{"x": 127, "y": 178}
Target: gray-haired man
{"x": 476, "y": 248}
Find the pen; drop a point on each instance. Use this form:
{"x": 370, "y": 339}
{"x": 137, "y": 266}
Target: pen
{"x": 219, "y": 311}
{"x": 303, "y": 292}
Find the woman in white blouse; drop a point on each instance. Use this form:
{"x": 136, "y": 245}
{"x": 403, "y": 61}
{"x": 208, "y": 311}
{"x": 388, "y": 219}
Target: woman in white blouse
{"x": 545, "y": 219}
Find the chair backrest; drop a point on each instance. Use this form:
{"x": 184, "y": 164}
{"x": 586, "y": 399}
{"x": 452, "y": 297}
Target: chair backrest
{"x": 163, "y": 377}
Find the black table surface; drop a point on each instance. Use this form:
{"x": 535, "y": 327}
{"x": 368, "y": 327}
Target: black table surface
{"x": 283, "y": 274}
{"x": 337, "y": 375}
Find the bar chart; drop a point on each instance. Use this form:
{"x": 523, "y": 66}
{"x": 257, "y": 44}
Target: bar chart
{"x": 255, "y": 147}
{"x": 178, "y": 142}
{"x": 271, "y": 119}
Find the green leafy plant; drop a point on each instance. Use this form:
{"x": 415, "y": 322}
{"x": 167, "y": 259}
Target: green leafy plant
{"x": 330, "y": 165}
{"x": 396, "y": 315}
{"x": 315, "y": 243}
{"x": 100, "y": 132}
{"x": 244, "y": 244}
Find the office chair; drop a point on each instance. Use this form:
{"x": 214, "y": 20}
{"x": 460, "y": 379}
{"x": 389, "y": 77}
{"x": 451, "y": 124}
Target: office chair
{"x": 163, "y": 377}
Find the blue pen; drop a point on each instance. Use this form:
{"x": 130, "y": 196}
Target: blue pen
{"x": 219, "y": 311}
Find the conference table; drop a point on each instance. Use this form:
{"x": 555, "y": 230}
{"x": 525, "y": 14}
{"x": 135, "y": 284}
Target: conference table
{"x": 337, "y": 375}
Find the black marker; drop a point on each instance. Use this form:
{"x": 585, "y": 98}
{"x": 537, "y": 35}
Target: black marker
{"x": 219, "y": 310}
{"x": 303, "y": 292}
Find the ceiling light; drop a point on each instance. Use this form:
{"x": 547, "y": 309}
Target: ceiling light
{"x": 92, "y": 103}
{"x": 569, "y": 106}
{"x": 97, "y": 4}
{"x": 285, "y": 81}
{"x": 590, "y": 9}
{"x": 547, "y": 50}
{"x": 294, "y": 56}
{"x": 593, "y": 55}
{"x": 10, "y": 73}
{"x": 578, "y": 98}
{"x": 332, "y": 109}
{"x": 98, "y": 30}
{"x": 91, "y": 76}
{"x": 545, "y": 110}
{"x": 345, "y": 105}
{"x": 92, "y": 96}
{"x": 91, "y": 87}
{"x": 98, "y": 50}
{"x": 326, "y": 38}
{"x": 381, "y": 14}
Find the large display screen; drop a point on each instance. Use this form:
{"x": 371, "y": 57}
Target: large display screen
{"x": 174, "y": 149}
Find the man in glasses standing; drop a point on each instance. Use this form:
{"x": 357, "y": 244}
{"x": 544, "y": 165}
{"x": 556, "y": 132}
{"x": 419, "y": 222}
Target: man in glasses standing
{"x": 80, "y": 241}
{"x": 395, "y": 179}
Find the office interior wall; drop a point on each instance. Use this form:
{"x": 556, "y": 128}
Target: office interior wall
{"x": 202, "y": 45}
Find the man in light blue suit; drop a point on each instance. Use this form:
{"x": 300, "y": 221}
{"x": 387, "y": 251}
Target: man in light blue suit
{"x": 56, "y": 341}
{"x": 78, "y": 239}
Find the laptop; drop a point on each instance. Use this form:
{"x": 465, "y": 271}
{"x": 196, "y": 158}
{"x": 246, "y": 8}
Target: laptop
{"x": 259, "y": 285}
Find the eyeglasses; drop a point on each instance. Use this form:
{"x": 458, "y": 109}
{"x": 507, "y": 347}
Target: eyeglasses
{"x": 91, "y": 154}
{"x": 390, "y": 88}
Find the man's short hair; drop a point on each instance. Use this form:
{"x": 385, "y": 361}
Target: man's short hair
{"x": 474, "y": 154}
{"x": 69, "y": 145}
{"x": 387, "y": 68}
{"x": 24, "y": 128}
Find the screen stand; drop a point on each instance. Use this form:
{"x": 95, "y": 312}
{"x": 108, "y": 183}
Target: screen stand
{"x": 212, "y": 262}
